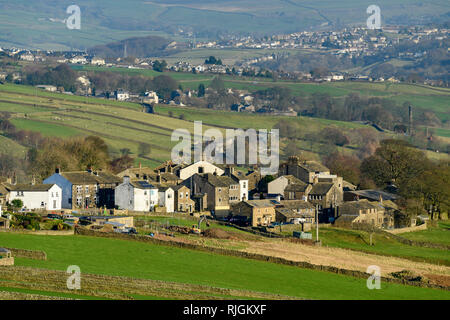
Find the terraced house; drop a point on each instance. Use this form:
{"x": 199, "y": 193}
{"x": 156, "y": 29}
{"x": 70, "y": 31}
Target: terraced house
{"x": 220, "y": 191}
{"x": 85, "y": 189}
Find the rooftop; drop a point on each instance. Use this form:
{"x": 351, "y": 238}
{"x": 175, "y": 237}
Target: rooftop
{"x": 29, "y": 187}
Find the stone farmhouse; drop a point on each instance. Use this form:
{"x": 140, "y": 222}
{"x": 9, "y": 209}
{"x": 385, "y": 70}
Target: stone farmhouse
{"x": 256, "y": 212}
{"x": 363, "y": 212}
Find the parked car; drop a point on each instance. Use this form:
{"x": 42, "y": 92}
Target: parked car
{"x": 54, "y": 216}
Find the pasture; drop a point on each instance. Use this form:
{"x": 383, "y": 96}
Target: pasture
{"x": 147, "y": 261}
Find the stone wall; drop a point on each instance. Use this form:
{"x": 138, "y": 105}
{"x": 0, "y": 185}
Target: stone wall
{"x": 30, "y": 254}
{"x": 409, "y": 229}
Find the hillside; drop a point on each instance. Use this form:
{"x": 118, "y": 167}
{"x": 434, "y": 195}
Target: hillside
{"x": 134, "y": 47}
{"x": 124, "y": 125}
{"x": 40, "y": 24}
{"x": 424, "y": 98}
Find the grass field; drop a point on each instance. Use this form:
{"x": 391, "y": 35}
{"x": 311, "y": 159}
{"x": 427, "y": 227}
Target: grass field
{"x": 438, "y": 234}
{"x": 147, "y": 261}
{"x": 124, "y": 125}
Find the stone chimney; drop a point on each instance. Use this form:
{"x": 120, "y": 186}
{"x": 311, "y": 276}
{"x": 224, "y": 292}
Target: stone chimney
{"x": 381, "y": 199}
{"x": 315, "y": 179}
{"x": 14, "y": 179}
{"x": 33, "y": 181}
{"x": 126, "y": 179}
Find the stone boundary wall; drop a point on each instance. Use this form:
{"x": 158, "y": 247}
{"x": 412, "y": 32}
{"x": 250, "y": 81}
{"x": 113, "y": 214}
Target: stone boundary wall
{"x": 30, "y": 254}
{"x": 253, "y": 256}
{"x": 41, "y": 232}
{"x": 409, "y": 229}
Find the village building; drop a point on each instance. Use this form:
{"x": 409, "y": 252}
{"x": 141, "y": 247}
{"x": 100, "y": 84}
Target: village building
{"x": 36, "y": 197}
{"x": 277, "y": 186}
{"x": 302, "y": 169}
{"x": 122, "y": 95}
{"x": 6, "y": 258}
{"x": 363, "y": 212}
{"x": 85, "y": 189}
{"x": 166, "y": 198}
{"x": 297, "y": 191}
{"x": 256, "y": 212}
{"x": 303, "y": 210}
{"x": 326, "y": 196}
{"x": 218, "y": 190}
{"x": 150, "y": 175}
{"x": 241, "y": 179}
{"x": 183, "y": 201}
{"x": 136, "y": 195}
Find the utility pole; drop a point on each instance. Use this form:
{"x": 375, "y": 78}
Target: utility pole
{"x": 317, "y": 223}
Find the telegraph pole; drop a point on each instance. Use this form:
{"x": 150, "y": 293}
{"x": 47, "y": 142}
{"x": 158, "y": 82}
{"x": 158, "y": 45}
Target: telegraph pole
{"x": 317, "y": 223}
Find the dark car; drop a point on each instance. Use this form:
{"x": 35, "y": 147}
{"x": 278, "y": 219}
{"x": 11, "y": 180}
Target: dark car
{"x": 54, "y": 216}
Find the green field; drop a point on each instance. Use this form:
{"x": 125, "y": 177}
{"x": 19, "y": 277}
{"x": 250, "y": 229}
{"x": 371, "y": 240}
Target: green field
{"x": 438, "y": 234}
{"x": 148, "y": 261}
{"x": 124, "y": 125}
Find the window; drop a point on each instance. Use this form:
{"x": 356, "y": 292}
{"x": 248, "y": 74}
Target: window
{"x": 57, "y": 195}
{"x": 244, "y": 185}
{"x": 54, "y": 204}
{"x": 87, "y": 189}
{"x": 79, "y": 199}
{"x": 187, "y": 195}
{"x": 181, "y": 195}
{"x": 145, "y": 193}
{"x": 42, "y": 204}
{"x": 78, "y": 189}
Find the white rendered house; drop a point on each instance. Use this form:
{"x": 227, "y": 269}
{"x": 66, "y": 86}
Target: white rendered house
{"x": 40, "y": 196}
